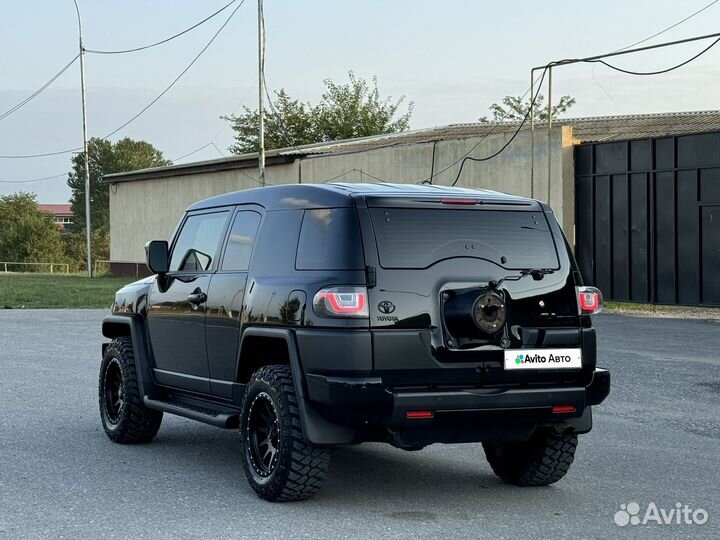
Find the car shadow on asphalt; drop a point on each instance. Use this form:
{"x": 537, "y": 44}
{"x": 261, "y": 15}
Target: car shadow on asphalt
{"x": 357, "y": 474}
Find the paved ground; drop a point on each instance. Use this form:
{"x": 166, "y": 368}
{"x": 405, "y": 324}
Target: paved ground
{"x": 656, "y": 440}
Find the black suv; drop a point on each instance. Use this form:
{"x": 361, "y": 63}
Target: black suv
{"x": 310, "y": 316}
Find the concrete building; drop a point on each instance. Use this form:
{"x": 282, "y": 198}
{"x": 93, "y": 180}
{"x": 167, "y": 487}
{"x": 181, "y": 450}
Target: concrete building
{"x": 147, "y": 204}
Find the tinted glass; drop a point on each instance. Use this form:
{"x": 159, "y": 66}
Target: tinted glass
{"x": 417, "y": 238}
{"x": 241, "y": 241}
{"x": 197, "y": 243}
{"x": 330, "y": 240}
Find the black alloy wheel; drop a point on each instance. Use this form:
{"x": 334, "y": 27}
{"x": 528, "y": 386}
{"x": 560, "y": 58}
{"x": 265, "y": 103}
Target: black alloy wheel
{"x": 279, "y": 463}
{"x": 114, "y": 391}
{"x": 263, "y": 435}
{"x": 123, "y": 413}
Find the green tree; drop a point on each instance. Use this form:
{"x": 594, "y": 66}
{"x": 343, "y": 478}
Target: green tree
{"x": 345, "y": 111}
{"x": 75, "y": 248}
{"x": 27, "y": 234}
{"x": 106, "y": 158}
{"x": 514, "y": 109}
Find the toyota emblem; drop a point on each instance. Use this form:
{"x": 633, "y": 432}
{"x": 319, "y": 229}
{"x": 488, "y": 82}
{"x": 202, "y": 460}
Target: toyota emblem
{"x": 386, "y": 306}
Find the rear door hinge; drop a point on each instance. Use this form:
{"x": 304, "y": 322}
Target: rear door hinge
{"x": 371, "y": 276}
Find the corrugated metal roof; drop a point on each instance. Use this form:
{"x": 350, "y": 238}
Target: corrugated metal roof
{"x": 56, "y": 209}
{"x": 642, "y": 126}
{"x": 587, "y": 129}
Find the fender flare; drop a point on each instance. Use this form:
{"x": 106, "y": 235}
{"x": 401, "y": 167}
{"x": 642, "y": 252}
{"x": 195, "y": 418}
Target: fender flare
{"x": 114, "y": 326}
{"x": 317, "y": 429}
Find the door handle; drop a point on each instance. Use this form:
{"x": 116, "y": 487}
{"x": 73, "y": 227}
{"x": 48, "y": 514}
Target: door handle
{"x": 197, "y": 298}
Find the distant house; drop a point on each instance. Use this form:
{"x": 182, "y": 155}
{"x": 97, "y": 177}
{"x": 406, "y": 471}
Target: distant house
{"x": 62, "y": 213}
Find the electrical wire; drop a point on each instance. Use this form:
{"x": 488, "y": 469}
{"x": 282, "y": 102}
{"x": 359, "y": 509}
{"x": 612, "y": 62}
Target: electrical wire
{"x": 183, "y": 72}
{"x": 656, "y": 34}
{"x": 33, "y": 179}
{"x": 498, "y": 123}
{"x": 144, "y": 47}
{"x": 667, "y": 70}
{"x": 39, "y": 90}
{"x": 338, "y": 176}
{"x": 362, "y": 172}
{"x": 512, "y": 138}
{"x": 659, "y": 72}
{"x": 45, "y": 154}
{"x": 279, "y": 118}
{"x": 191, "y": 153}
{"x": 144, "y": 109}
{"x": 212, "y": 141}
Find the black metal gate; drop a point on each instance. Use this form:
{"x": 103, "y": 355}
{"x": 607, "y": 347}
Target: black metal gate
{"x": 647, "y": 215}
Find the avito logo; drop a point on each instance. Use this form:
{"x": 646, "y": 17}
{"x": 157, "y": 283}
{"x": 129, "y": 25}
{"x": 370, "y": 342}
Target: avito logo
{"x": 540, "y": 359}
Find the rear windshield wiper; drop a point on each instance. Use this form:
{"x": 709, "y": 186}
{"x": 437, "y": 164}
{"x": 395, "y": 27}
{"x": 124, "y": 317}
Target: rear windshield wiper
{"x": 536, "y": 273}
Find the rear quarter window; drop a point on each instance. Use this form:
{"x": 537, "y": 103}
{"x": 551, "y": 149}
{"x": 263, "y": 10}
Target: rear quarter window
{"x": 329, "y": 240}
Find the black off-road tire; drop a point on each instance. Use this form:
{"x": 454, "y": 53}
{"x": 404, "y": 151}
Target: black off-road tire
{"x": 131, "y": 421}
{"x": 296, "y": 469}
{"x": 540, "y": 461}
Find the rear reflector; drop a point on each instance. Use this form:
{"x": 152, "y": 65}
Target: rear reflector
{"x": 415, "y": 415}
{"x": 559, "y": 409}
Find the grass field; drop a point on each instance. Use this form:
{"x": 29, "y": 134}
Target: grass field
{"x": 58, "y": 290}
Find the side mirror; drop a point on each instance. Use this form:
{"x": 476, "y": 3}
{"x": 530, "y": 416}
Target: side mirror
{"x": 156, "y": 256}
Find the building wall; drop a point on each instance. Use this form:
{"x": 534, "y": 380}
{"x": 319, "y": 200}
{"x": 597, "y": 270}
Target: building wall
{"x": 150, "y": 209}
{"x": 508, "y": 172}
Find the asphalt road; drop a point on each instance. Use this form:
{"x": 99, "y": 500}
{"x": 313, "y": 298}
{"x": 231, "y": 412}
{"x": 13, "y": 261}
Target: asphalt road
{"x": 657, "y": 439}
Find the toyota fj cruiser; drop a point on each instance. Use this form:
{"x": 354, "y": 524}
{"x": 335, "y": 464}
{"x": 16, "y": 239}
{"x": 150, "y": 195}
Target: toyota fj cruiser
{"x": 310, "y": 316}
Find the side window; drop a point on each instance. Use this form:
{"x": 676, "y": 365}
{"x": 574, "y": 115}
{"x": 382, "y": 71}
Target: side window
{"x": 197, "y": 244}
{"x": 329, "y": 240}
{"x": 241, "y": 241}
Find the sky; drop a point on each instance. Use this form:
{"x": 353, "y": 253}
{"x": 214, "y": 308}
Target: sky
{"x": 451, "y": 58}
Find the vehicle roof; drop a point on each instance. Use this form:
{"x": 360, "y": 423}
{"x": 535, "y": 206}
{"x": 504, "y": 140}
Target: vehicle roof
{"x": 297, "y": 196}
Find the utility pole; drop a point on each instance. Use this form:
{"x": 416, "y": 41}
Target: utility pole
{"x": 549, "y": 134}
{"x": 88, "y": 232}
{"x": 532, "y": 135}
{"x": 261, "y": 88}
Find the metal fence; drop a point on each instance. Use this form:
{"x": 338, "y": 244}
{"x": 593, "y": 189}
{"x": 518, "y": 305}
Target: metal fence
{"x": 120, "y": 268}
{"x": 648, "y": 218}
{"x": 14, "y": 266}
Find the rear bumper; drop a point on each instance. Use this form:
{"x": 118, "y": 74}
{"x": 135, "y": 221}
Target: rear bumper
{"x": 368, "y": 399}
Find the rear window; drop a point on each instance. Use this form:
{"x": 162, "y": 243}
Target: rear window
{"x": 329, "y": 240}
{"x": 418, "y": 238}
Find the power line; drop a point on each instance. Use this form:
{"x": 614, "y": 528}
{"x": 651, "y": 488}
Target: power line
{"x": 39, "y": 90}
{"x": 45, "y": 154}
{"x": 33, "y": 179}
{"x": 144, "y": 47}
{"x": 280, "y": 120}
{"x": 498, "y": 123}
{"x": 212, "y": 141}
{"x": 197, "y": 57}
{"x": 660, "y": 72}
{"x": 191, "y": 153}
{"x": 522, "y": 123}
{"x": 656, "y": 34}
{"x": 144, "y": 109}
{"x": 337, "y": 176}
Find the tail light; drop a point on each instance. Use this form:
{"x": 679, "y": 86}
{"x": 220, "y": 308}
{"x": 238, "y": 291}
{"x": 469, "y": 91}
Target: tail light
{"x": 590, "y": 300}
{"x": 341, "y": 302}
